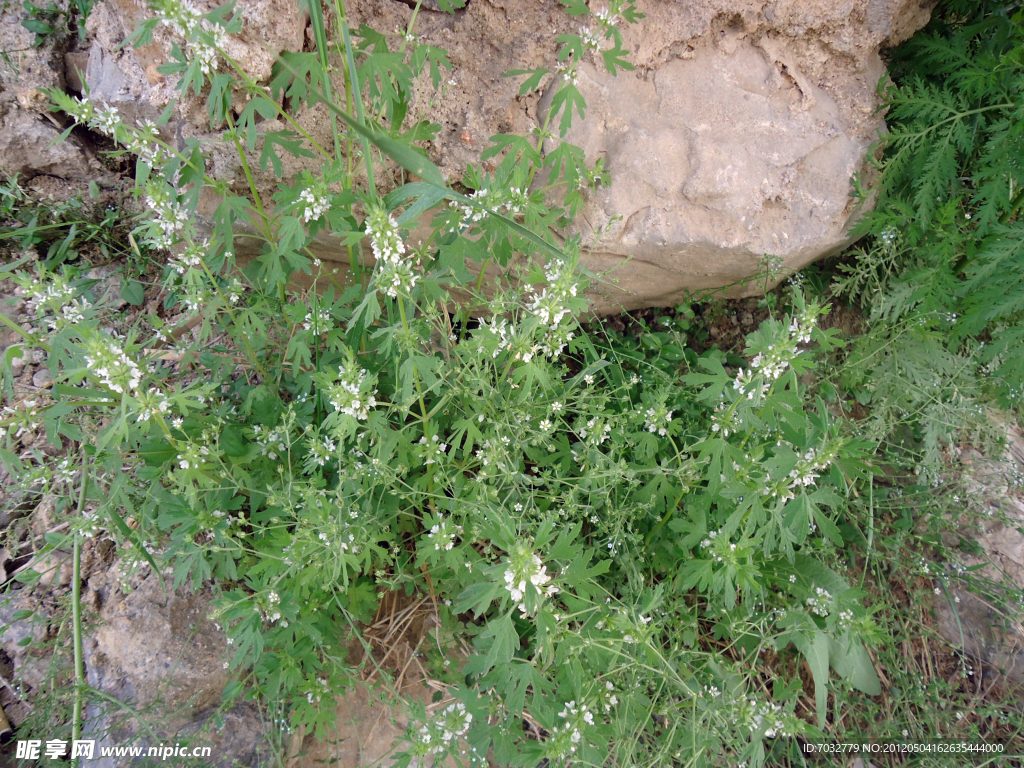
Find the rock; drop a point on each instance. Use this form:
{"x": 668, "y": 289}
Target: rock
{"x": 987, "y": 636}
{"x": 27, "y": 148}
{"x": 970, "y": 622}
{"x": 151, "y": 645}
{"x": 715, "y": 161}
{"x": 50, "y": 568}
{"x": 161, "y": 650}
{"x": 75, "y": 65}
{"x": 735, "y": 138}
{"x": 23, "y": 639}
{"x": 41, "y": 378}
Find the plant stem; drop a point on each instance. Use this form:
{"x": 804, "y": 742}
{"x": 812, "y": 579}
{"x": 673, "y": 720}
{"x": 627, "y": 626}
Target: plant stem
{"x": 1017, "y": 201}
{"x": 76, "y": 616}
{"x": 18, "y": 329}
{"x": 356, "y": 95}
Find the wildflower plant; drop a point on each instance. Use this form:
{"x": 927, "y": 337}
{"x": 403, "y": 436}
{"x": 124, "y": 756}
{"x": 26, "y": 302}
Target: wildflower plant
{"x": 576, "y": 512}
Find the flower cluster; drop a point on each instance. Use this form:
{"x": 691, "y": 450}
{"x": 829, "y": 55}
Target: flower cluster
{"x": 171, "y": 217}
{"x": 53, "y": 299}
{"x": 271, "y": 612}
{"x": 591, "y": 40}
{"x": 610, "y": 699}
{"x": 725, "y": 420}
{"x": 775, "y": 721}
{"x": 145, "y": 142}
{"x": 494, "y": 453}
{"x": 193, "y": 455}
{"x": 551, "y": 305}
{"x": 719, "y": 547}
{"x": 524, "y": 567}
{"x": 442, "y": 534}
{"x": 183, "y": 17}
{"x": 190, "y": 258}
{"x": 511, "y": 201}
{"x": 272, "y": 442}
{"x": 808, "y": 469}
{"x": 657, "y": 419}
{"x": 385, "y": 239}
{"x": 151, "y": 404}
{"x": 431, "y": 450}
{"x": 317, "y": 321}
{"x": 26, "y": 417}
{"x": 556, "y": 340}
{"x": 314, "y": 201}
{"x": 397, "y": 278}
{"x": 205, "y": 51}
{"x": 395, "y": 275}
{"x": 179, "y": 15}
{"x": 449, "y": 724}
{"x": 114, "y": 369}
{"x": 351, "y": 395}
{"x": 820, "y": 602}
{"x": 569, "y": 71}
{"x": 596, "y": 430}
{"x": 321, "y": 450}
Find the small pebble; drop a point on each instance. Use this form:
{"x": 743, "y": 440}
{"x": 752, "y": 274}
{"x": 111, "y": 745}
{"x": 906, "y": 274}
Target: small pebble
{"x": 41, "y": 378}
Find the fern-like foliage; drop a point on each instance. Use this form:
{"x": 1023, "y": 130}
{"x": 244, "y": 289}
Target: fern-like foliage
{"x": 942, "y": 271}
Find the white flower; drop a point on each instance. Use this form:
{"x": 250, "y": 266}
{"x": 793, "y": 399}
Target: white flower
{"x": 317, "y": 321}
{"x": 385, "y": 238}
{"x": 442, "y": 535}
{"x": 151, "y": 404}
{"x": 396, "y": 278}
{"x": 348, "y": 396}
{"x": 315, "y": 201}
{"x": 114, "y": 369}
{"x": 107, "y": 120}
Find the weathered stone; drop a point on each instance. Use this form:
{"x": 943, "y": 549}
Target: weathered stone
{"x": 27, "y": 148}
{"x": 965, "y": 619}
{"x": 160, "y": 649}
{"x": 734, "y": 139}
{"x": 716, "y": 162}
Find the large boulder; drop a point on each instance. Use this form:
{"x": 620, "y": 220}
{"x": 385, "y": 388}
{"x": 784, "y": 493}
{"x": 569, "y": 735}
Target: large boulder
{"x": 732, "y": 143}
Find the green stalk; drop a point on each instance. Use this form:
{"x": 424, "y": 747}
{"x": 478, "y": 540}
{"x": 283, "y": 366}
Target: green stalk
{"x": 18, "y": 329}
{"x": 316, "y": 17}
{"x": 76, "y": 617}
{"x": 1017, "y": 201}
{"x": 357, "y": 96}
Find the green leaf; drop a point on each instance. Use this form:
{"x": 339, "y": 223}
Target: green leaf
{"x": 233, "y": 442}
{"x": 133, "y": 292}
{"x": 290, "y": 74}
{"x": 477, "y": 598}
{"x": 853, "y": 664}
{"x": 567, "y": 99}
{"x": 504, "y": 640}
{"x": 816, "y": 653}
{"x": 219, "y": 100}
{"x": 531, "y": 83}
{"x": 575, "y": 7}
{"x": 288, "y": 141}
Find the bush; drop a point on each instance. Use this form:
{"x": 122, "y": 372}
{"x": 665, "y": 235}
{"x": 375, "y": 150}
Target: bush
{"x": 618, "y": 543}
